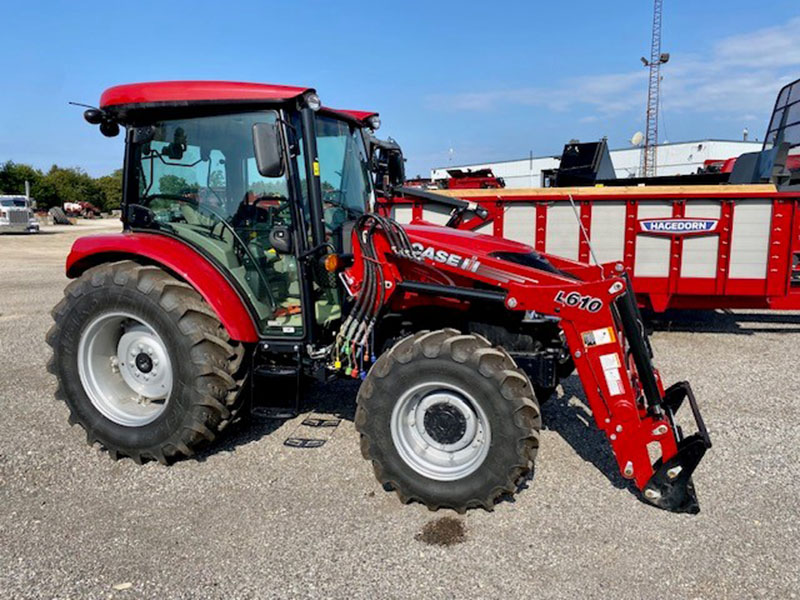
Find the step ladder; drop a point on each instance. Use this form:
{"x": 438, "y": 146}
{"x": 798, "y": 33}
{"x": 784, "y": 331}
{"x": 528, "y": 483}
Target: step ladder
{"x": 278, "y": 376}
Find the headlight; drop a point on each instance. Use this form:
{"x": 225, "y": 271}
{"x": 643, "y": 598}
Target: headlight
{"x": 374, "y": 122}
{"x": 312, "y": 101}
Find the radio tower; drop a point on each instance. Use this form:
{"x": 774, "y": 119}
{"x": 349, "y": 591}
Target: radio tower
{"x": 648, "y": 164}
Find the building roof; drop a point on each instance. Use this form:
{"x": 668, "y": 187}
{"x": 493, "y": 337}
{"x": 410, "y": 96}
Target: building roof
{"x": 611, "y": 150}
{"x": 183, "y": 92}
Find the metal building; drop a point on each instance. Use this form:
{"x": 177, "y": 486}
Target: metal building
{"x": 678, "y": 158}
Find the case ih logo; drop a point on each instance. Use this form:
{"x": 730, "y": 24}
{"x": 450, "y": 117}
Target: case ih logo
{"x": 678, "y": 226}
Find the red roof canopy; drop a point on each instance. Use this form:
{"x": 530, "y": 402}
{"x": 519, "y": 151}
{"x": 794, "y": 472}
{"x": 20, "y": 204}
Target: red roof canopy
{"x": 197, "y": 91}
{"x": 360, "y": 116}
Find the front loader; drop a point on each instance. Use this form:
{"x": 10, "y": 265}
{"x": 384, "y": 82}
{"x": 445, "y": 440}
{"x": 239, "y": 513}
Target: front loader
{"x": 249, "y": 253}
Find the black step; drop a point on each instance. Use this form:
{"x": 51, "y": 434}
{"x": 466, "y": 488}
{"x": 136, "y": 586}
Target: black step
{"x": 319, "y": 422}
{"x": 276, "y": 371}
{"x": 298, "y": 442}
{"x": 273, "y": 412}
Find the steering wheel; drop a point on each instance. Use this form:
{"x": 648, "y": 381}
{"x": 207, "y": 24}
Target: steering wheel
{"x": 247, "y": 210}
{"x": 176, "y": 197}
{"x": 243, "y": 250}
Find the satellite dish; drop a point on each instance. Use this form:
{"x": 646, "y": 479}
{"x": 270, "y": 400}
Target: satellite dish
{"x": 637, "y": 139}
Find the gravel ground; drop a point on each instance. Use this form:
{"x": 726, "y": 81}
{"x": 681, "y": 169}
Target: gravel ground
{"x": 254, "y": 518}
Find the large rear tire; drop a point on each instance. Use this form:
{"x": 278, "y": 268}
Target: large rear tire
{"x": 143, "y": 363}
{"x": 448, "y": 420}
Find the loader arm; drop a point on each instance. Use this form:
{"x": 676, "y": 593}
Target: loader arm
{"x": 603, "y": 331}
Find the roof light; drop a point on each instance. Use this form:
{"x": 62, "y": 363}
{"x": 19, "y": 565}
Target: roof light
{"x": 374, "y": 122}
{"x": 312, "y": 101}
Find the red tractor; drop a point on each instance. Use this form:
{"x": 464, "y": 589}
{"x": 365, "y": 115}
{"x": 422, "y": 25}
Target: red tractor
{"x": 249, "y": 251}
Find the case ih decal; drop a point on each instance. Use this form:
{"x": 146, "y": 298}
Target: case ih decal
{"x": 448, "y": 258}
{"x": 678, "y": 226}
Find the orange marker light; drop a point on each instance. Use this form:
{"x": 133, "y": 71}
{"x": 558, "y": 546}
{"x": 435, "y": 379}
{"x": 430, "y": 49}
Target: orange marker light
{"x": 332, "y": 263}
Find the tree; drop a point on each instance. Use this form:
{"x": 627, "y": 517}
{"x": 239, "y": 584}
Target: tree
{"x": 111, "y": 186}
{"x": 62, "y": 185}
{"x": 13, "y": 177}
{"x": 176, "y": 186}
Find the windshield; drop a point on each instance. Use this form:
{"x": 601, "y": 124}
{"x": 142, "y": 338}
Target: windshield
{"x": 15, "y": 202}
{"x": 344, "y": 170}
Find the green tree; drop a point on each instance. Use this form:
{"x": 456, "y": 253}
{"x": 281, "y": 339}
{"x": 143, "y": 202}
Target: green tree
{"x": 62, "y": 185}
{"x": 13, "y": 177}
{"x": 176, "y": 186}
{"x": 111, "y": 186}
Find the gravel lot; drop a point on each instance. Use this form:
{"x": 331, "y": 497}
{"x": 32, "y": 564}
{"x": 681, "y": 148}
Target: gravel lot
{"x": 254, "y": 518}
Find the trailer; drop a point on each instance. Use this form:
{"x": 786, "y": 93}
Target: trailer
{"x": 696, "y": 247}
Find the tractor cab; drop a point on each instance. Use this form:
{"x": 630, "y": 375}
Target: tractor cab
{"x": 259, "y": 179}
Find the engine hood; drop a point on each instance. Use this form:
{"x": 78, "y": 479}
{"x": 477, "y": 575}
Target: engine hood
{"x": 467, "y": 243}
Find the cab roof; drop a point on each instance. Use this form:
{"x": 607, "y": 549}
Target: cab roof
{"x": 182, "y": 93}
{"x": 359, "y": 116}
{"x": 136, "y": 97}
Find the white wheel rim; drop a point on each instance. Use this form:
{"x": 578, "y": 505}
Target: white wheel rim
{"x": 440, "y": 431}
{"x": 125, "y": 368}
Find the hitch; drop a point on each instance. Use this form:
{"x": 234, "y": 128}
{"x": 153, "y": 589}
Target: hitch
{"x": 671, "y": 486}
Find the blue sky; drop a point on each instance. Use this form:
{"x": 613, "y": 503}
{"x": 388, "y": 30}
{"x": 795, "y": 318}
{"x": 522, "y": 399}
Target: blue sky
{"x": 491, "y": 81}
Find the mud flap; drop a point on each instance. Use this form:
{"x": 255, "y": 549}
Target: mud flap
{"x": 671, "y": 486}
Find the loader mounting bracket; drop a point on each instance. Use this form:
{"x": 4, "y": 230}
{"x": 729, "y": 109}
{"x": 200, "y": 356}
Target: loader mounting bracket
{"x": 671, "y": 487}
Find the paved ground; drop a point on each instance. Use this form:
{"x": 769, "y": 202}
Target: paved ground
{"x": 254, "y": 518}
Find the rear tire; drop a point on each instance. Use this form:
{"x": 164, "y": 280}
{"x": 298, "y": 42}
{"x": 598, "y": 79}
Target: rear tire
{"x": 118, "y": 324}
{"x": 448, "y": 420}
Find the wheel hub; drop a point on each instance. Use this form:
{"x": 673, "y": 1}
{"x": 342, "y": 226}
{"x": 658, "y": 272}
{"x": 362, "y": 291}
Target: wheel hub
{"x": 125, "y": 368}
{"x": 144, "y": 363}
{"x": 445, "y": 423}
{"x": 440, "y": 431}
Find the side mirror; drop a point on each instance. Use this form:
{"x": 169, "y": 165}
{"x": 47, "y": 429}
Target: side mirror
{"x": 396, "y": 168}
{"x": 268, "y": 149}
{"x": 280, "y": 238}
{"x": 388, "y": 163}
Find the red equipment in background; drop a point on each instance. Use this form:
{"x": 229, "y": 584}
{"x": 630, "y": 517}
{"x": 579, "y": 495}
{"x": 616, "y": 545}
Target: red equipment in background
{"x": 460, "y": 180}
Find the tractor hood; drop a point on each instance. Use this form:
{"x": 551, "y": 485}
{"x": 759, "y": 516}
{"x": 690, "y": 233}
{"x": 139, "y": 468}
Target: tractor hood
{"x": 467, "y": 243}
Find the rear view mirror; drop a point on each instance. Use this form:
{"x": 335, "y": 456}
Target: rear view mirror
{"x": 268, "y": 149}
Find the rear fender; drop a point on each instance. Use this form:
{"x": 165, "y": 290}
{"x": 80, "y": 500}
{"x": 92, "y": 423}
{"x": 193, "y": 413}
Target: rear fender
{"x": 181, "y": 259}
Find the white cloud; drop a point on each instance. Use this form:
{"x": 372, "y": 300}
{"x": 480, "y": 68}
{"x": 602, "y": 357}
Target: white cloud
{"x": 741, "y": 74}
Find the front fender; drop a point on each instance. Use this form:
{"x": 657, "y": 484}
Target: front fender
{"x": 179, "y": 258}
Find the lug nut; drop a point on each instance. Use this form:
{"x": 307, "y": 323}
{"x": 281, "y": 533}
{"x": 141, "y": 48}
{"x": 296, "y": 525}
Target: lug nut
{"x": 628, "y": 469}
{"x": 652, "y": 494}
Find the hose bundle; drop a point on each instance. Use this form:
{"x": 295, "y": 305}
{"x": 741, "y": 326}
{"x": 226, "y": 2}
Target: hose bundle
{"x": 355, "y": 341}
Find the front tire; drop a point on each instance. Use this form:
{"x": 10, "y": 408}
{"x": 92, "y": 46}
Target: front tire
{"x": 448, "y": 420}
{"x": 143, "y": 363}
